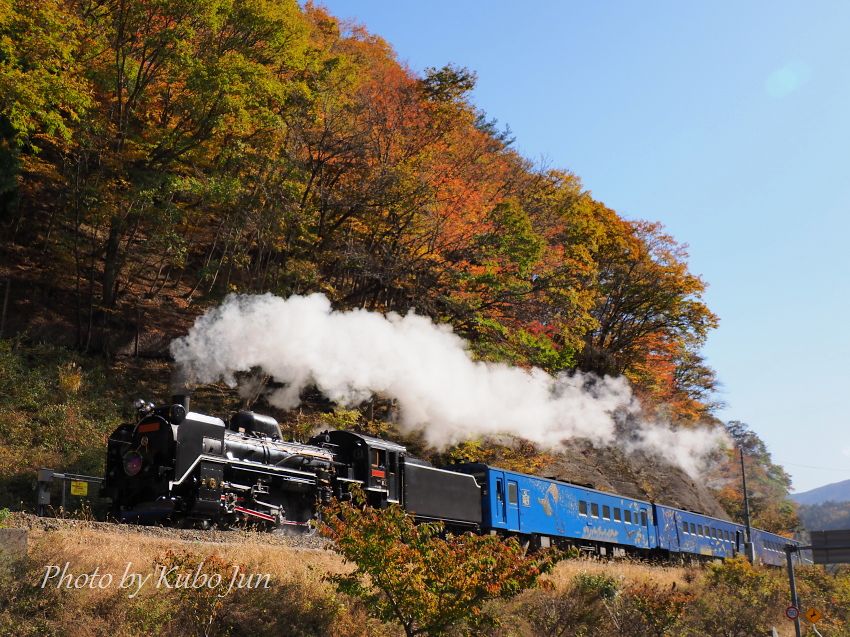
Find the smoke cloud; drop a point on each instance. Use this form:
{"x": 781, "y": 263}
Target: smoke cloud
{"x": 427, "y": 369}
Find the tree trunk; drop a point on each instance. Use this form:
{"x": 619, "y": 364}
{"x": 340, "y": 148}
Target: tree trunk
{"x": 5, "y": 305}
{"x": 112, "y": 261}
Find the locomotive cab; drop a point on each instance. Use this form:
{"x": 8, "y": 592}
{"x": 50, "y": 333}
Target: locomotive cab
{"x": 374, "y": 463}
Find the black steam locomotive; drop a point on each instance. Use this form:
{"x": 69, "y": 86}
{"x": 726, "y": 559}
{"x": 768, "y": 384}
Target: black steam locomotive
{"x": 182, "y": 467}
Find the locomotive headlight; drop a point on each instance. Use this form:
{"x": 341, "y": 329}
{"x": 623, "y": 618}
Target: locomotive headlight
{"x": 132, "y": 463}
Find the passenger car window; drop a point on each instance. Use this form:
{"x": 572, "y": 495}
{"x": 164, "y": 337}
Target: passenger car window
{"x": 617, "y": 514}
{"x": 606, "y": 512}
{"x": 693, "y": 528}
{"x": 594, "y": 509}
{"x": 582, "y": 507}
{"x": 512, "y": 493}
{"x": 628, "y": 515}
{"x": 684, "y": 527}
{"x": 643, "y": 518}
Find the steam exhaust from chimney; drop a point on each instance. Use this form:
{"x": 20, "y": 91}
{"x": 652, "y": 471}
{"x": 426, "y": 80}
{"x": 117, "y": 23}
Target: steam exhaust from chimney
{"x": 440, "y": 389}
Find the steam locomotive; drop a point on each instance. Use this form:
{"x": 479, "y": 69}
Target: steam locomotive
{"x": 182, "y": 467}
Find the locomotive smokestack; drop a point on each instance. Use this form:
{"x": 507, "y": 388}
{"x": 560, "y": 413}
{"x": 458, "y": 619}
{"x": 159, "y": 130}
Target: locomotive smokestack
{"x": 181, "y": 399}
{"x": 181, "y": 390}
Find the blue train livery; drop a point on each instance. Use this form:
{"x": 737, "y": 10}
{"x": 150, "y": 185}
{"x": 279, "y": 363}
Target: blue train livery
{"x": 683, "y": 531}
{"x": 770, "y": 547}
{"x": 547, "y": 511}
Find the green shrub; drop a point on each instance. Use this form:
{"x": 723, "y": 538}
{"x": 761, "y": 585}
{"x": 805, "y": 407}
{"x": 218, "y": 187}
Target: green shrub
{"x": 57, "y": 411}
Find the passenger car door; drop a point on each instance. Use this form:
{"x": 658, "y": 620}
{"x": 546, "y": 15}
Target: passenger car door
{"x": 498, "y": 501}
{"x": 513, "y": 506}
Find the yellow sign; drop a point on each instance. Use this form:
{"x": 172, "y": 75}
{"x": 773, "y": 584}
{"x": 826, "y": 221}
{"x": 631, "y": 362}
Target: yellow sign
{"x": 814, "y": 615}
{"x": 78, "y": 487}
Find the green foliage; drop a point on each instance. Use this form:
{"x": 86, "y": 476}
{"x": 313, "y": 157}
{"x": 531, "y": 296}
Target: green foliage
{"x": 739, "y": 600}
{"x": 516, "y": 455}
{"x": 522, "y": 347}
{"x": 341, "y": 418}
{"x": 599, "y": 584}
{"x": 429, "y": 584}
{"x": 41, "y": 88}
{"x": 56, "y": 411}
{"x": 448, "y": 84}
{"x": 510, "y": 241}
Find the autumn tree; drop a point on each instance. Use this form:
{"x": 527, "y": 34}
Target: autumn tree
{"x": 43, "y": 94}
{"x": 427, "y": 581}
{"x": 768, "y": 483}
{"x": 164, "y": 154}
{"x": 646, "y": 290}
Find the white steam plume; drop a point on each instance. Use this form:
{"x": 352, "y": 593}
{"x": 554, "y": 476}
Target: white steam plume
{"x": 440, "y": 389}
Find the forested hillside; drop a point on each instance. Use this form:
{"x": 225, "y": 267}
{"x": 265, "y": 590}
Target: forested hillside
{"x": 156, "y": 155}
{"x": 825, "y": 516}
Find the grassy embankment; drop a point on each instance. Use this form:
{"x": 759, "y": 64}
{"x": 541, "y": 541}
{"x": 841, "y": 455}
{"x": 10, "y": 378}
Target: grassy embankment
{"x": 580, "y": 597}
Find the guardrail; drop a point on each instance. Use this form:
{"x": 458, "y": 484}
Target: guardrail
{"x": 74, "y": 490}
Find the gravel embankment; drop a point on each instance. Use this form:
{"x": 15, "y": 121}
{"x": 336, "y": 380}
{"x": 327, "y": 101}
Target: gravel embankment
{"x": 278, "y": 538}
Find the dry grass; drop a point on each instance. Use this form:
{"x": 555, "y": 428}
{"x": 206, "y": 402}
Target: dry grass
{"x": 626, "y": 570}
{"x": 297, "y": 574}
{"x": 301, "y": 589}
{"x": 87, "y": 548}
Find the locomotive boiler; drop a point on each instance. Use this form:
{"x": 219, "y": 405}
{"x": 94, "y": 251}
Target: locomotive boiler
{"x": 178, "y": 465}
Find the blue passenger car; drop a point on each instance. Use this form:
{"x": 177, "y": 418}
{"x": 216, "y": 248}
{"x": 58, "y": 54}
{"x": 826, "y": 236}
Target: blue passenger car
{"x": 770, "y": 547}
{"x": 682, "y": 531}
{"x": 551, "y": 510}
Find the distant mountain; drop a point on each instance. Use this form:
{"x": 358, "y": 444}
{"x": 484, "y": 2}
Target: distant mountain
{"x": 836, "y": 492}
{"x": 825, "y": 517}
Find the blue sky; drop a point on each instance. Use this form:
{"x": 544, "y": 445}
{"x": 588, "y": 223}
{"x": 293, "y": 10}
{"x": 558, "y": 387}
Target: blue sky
{"x": 728, "y": 122}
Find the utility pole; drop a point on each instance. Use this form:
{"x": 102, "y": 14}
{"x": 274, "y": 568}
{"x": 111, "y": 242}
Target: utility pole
{"x": 795, "y": 601}
{"x": 749, "y": 549}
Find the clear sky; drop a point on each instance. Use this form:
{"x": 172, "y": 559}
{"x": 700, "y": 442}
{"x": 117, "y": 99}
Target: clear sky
{"x": 727, "y": 121}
